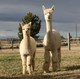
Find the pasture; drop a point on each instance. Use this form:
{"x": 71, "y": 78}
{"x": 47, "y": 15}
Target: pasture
{"x": 11, "y": 67}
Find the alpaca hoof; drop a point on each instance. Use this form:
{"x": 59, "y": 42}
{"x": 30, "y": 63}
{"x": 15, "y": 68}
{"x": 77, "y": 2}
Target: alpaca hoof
{"x": 58, "y": 69}
{"x": 46, "y": 72}
{"x": 23, "y": 73}
{"x": 30, "y": 73}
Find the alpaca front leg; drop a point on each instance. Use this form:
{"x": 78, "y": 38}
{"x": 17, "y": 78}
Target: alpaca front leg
{"x": 46, "y": 61}
{"x": 29, "y": 64}
{"x": 54, "y": 60}
{"x": 23, "y": 64}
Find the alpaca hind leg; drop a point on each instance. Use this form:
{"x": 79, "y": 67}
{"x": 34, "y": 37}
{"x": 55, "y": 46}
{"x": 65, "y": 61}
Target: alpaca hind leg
{"x": 33, "y": 62}
{"x": 59, "y": 59}
{"x": 59, "y": 54}
{"x": 46, "y": 61}
{"x": 23, "y": 64}
{"x": 54, "y": 60}
{"x": 29, "y": 64}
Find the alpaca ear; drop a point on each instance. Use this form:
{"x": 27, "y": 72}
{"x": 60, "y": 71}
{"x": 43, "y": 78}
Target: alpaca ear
{"x": 21, "y": 24}
{"x": 43, "y": 7}
{"x": 30, "y": 23}
{"x": 53, "y": 7}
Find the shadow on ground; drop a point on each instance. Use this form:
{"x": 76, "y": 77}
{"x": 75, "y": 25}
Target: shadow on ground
{"x": 44, "y": 77}
{"x": 74, "y": 67}
{"x": 30, "y": 77}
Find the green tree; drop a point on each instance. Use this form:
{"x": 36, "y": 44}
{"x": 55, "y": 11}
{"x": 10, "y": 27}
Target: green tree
{"x": 35, "y": 24}
{"x": 20, "y": 35}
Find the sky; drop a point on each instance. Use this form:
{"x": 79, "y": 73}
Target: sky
{"x": 65, "y": 17}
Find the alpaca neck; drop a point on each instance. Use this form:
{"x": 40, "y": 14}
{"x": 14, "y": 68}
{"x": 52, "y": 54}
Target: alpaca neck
{"x": 27, "y": 40}
{"x": 48, "y": 25}
{"x": 49, "y": 31}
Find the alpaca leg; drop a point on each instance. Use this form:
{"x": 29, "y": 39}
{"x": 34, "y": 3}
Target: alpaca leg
{"x": 29, "y": 64}
{"x": 59, "y": 58}
{"x": 46, "y": 61}
{"x": 33, "y": 62}
{"x": 23, "y": 64}
{"x": 54, "y": 60}
{"x": 59, "y": 54}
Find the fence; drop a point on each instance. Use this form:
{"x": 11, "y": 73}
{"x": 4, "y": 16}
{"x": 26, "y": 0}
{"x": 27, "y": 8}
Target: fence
{"x": 9, "y": 44}
{"x": 70, "y": 42}
{"x": 14, "y": 43}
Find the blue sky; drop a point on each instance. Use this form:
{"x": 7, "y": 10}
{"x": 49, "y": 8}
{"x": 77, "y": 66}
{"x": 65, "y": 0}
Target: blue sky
{"x": 65, "y": 17}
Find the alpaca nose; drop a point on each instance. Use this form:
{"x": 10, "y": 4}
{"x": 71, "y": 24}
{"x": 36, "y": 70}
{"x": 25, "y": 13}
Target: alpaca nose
{"x": 28, "y": 29}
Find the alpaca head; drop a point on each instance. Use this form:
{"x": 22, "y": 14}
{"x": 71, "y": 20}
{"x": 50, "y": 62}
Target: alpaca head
{"x": 48, "y": 12}
{"x": 26, "y": 28}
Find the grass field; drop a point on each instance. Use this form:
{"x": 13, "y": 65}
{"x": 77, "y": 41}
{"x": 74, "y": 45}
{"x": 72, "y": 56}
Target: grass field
{"x": 11, "y": 68}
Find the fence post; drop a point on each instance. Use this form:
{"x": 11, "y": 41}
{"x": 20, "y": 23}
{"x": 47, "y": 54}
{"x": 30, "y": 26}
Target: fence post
{"x": 0, "y": 45}
{"x": 69, "y": 46}
{"x": 12, "y": 44}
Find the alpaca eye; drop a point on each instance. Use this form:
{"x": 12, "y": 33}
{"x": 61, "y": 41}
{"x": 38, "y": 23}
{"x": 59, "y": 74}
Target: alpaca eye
{"x": 28, "y": 28}
{"x": 23, "y": 29}
{"x": 53, "y": 9}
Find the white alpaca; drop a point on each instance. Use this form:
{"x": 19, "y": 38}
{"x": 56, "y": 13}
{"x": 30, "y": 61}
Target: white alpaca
{"x": 51, "y": 42}
{"x": 27, "y": 50}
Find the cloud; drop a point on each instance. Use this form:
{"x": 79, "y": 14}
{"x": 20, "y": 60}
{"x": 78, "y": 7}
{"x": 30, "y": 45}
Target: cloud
{"x": 15, "y": 10}
{"x": 2, "y": 34}
{"x": 9, "y": 28}
{"x": 67, "y": 11}
{"x": 66, "y": 15}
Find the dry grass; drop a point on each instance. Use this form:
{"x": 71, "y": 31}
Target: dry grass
{"x": 11, "y": 68}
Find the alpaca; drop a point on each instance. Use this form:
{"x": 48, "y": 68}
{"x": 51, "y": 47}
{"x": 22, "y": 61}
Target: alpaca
{"x": 27, "y": 50}
{"x": 51, "y": 43}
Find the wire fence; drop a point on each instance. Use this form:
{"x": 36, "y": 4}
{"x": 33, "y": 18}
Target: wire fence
{"x": 14, "y": 44}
